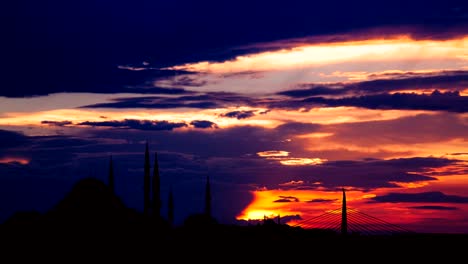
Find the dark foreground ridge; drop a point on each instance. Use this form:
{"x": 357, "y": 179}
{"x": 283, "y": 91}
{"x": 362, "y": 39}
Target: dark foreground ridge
{"x": 91, "y": 218}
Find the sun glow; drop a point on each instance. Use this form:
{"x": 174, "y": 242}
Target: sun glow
{"x": 398, "y": 48}
{"x": 293, "y": 202}
{"x": 307, "y": 204}
{"x": 259, "y": 214}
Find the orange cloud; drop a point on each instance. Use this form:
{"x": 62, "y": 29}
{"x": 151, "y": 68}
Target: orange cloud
{"x": 273, "y": 153}
{"x": 302, "y": 161}
{"x": 20, "y": 160}
{"x": 401, "y": 48}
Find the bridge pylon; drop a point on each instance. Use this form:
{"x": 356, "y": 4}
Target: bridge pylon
{"x": 344, "y": 214}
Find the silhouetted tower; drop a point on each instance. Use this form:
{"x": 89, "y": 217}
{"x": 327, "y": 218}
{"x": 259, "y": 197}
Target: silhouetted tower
{"x": 170, "y": 208}
{"x": 156, "y": 188}
{"x": 111, "y": 175}
{"x": 146, "y": 184}
{"x": 208, "y": 197}
{"x": 344, "y": 220}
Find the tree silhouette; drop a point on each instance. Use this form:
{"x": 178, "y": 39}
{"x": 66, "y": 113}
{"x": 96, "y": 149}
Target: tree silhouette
{"x": 146, "y": 184}
{"x": 156, "y": 188}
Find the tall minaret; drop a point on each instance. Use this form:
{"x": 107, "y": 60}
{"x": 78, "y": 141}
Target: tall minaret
{"x": 111, "y": 175}
{"x": 156, "y": 188}
{"x": 207, "y": 197}
{"x": 344, "y": 220}
{"x": 170, "y": 208}
{"x": 146, "y": 184}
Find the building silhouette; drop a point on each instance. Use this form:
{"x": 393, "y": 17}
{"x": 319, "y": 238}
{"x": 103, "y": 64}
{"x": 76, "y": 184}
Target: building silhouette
{"x": 156, "y": 208}
{"x": 147, "y": 184}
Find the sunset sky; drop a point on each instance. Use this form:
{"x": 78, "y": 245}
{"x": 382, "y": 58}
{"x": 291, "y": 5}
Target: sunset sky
{"x": 281, "y": 106}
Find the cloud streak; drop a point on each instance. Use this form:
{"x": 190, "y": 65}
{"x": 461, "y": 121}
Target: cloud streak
{"x": 435, "y": 207}
{"x": 239, "y": 114}
{"x": 425, "y": 197}
{"x": 203, "y": 124}
{"x": 320, "y": 200}
{"x": 56, "y": 123}
{"x": 137, "y": 124}
{"x": 437, "y": 101}
{"x": 387, "y": 82}
{"x": 200, "y": 100}
{"x": 314, "y": 55}
{"x": 287, "y": 199}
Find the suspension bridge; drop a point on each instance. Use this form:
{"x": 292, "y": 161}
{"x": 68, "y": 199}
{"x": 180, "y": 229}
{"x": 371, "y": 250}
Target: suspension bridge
{"x": 346, "y": 221}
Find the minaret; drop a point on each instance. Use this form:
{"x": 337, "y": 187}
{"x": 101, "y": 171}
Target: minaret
{"x": 208, "y": 197}
{"x": 344, "y": 220}
{"x": 146, "y": 184}
{"x": 156, "y": 188}
{"x": 170, "y": 208}
{"x": 111, "y": 175}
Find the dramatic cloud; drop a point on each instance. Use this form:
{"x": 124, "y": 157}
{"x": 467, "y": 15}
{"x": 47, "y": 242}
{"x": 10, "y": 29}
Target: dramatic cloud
{"x": 297, "y": 128}
{"x": 273, "y": 153}
{"x": 437, "y": 101}
{"x": 203, "y": 124}
{"x": 319, "y": 200}
{"x": 221, "y": 149}
{"x": 202, "y": 101}
{"x": 302, "y": 161}
{"x": 137, "y": 124}
{"x": 185, "y": 80}
{"x": 307, "y": 55}
{"x": 111, "y": 79}
{"x": 425, "y": 128}
{"x": 187, "y": 157}
{"x": 239, "y": 114}
{"x": 56, "y": 123}
{"x": 293, "y": 108}
{"x": 435, "y": 207}
{"x": 291, "y": 183}
{"x": 416, "y": 162}
{"x": 444, "y": 80}
{"x": 58, "y": 60}
{"x": 357, "y": 174}
{"x": 314, "y": 91}
{"x": 157, "y": 103}
{"x": 287, "y": 199}
{"x": 426, "y": 197}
